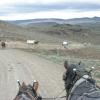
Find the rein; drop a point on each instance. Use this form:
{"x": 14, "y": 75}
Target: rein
{"x": 57, "y": 97}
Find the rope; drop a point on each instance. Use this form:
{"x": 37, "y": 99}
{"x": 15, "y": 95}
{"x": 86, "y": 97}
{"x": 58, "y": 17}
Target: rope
{"x": 57, "y": 96}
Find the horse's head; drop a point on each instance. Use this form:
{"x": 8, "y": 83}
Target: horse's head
{"x": 73, "y": 73}
{"x": 25, "y": 93}
{"x": 78, "y": 82}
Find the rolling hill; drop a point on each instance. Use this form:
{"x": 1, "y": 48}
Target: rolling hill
{"x": 59, "y": 21}
{"x": 9, "y": 31}
{"x": 53, "y": 30}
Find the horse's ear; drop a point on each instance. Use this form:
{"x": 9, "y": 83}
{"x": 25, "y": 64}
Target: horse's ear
{"x": 66, "y": 64}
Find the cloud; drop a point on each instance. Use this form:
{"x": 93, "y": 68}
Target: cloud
{"x": 51, "y": 14}
{"x": 37, "y": 8}
{"x": 22, "y": 8}
{"x": 12, "y": 2}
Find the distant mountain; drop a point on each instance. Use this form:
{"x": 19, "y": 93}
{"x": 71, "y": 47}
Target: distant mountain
{"x": 83, "y": 20}
{"x": 52, "y": 30}
{"x": 13, "y": 32}
{"x": 34, "y": 21}
{"x": 10, "y": 31}
{"x": 59, "y": 21}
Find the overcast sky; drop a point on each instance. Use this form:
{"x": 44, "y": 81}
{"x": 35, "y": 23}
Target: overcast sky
{"x": 65, "y": 9}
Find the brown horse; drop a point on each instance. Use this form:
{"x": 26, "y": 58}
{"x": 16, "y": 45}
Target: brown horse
{"x": 36, "y": 42}
{"x": 26, "y": 93}
{"x": 3, "y": 44}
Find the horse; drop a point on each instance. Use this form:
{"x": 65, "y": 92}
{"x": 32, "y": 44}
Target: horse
{"x": 3, "y": 44}
{"x": 26, "y": 93}
{"x": 65, "y": 44}
{"x": 33, "y": 42}
{"x": 79, "y": 84}
{"x": 36, "y": 42}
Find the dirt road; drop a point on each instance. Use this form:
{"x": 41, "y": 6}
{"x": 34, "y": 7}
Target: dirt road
{"x": 16, "y": 64}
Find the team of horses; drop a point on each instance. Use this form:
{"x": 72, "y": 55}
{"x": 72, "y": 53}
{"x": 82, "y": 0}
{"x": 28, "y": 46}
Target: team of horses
{"x": 79, "y": 85}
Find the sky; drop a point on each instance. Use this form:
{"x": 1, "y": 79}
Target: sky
{"x": 63, "y": 9}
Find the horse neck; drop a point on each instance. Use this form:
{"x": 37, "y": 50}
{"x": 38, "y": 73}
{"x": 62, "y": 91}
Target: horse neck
{"x": 83, "y": 85}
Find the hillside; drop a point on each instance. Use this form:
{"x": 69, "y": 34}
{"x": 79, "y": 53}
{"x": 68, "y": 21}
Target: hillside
{"x": 65, "y": 31}
{"x": 9, "y": 31}
{"x": 77, "y": 29}
{"x": 52, "y": 30}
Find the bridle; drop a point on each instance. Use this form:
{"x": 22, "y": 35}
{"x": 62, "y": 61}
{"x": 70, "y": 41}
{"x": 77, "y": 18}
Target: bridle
{"x": 56, "y": 97}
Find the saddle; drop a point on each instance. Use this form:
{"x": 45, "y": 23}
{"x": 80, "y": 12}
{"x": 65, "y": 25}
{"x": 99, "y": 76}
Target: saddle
{"x": 90, "y": 96}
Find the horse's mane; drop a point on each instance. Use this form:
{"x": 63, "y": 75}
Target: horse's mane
{"x": 25, "y": 93}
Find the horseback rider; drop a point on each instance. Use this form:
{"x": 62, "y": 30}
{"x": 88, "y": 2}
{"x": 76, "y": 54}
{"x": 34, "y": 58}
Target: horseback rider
{"x": 35, "y": 88}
